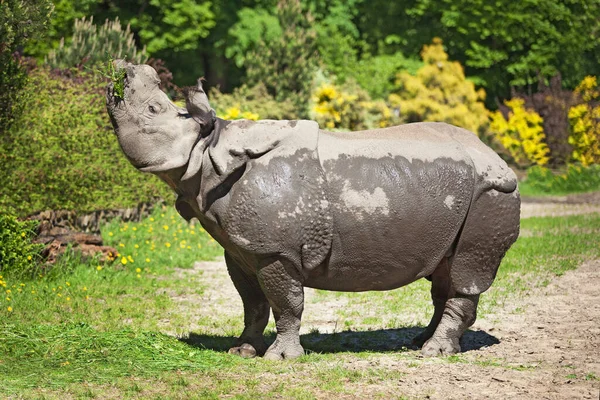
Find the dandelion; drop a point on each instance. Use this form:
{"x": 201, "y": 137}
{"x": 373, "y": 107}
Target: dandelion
{"x": 9, "y": 308}
{"x": 136, "y": 246}
{"x": 189, "y": 247}
{"x": 84, "y": 288}
{"x": 139, "y": 276}
{"x": 87, "y": 297}
{"x": 33, "y": 292}
{"x": 166, "y": 227}
{"x": 8, "y": 299}
{"x": 147, "y": 242}
{"x": 22, "y": 234}
{"x": 121, "y": 245}
{"x": 151, "y": 219}
{"x": 110, "y": 233}
{"x": 59, "y": 295}
{"x": 138, "y": 270}
{"x": 124, "y": 260}
{"x": 130, "y": 259}
{"x": 68, "y": 299}
{"x": 147, "y": 260}
{"x": 134, "y": 228}
{"x": 7, "y": 291}
{"x": 99, "y": 268}
{"x": 168, "y": 244}
{"x": 29, "y": 258}
{"x": 67, "y": 283}
{"x": 22, "y": 284}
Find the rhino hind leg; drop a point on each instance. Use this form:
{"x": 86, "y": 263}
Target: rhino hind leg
{"x": 256, "y": 312}
{"x": 440, "y": 292}
{"x": 282, "y": 285}
{"x": 459, "y": 313}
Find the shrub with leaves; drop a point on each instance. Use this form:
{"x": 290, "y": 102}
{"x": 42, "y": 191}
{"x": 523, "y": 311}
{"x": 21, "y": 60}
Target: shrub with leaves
{"x": 90, "y": 45}
{"x": 251, "y": 103}
{"x": 522, "y": 133}
{"x": 63, "y": 153}
{"x": 440, "y": 92}
{"x": 17, "y": 252}
{"x": 584, "y": 120}
{"x": 349, "y": 107}
{"x": 287, "y": 63}
{"x": 573, "y": 179}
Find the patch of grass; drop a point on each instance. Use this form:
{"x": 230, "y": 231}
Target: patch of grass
{"x": 90, "y": 330}
{"x": 541, "y": 181}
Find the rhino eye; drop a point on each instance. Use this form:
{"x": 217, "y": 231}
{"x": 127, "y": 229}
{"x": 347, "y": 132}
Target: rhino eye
{"x": 152, "y": 109}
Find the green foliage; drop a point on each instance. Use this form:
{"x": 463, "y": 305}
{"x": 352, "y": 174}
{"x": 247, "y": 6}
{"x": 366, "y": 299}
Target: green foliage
{"x": 91, "y": 44}
{"x": 251, "y": 103}
{"x": 116, "y": 75}
{"x": 20, "y": 22}
{"x": 574, "y": 179}
{"x": 522, "y": 134}
{"x": 254, "y": 26}
{"x": 349, "y": 107}
{"x": 377, "y": 74}
{"x": 584, "y": 119}
{"x": 286, "y": 64}
{"x": 63, "y": 155}
{"x": 440, "y": 92}
{"x": 503, "y": 43}
{"x": 18, "y": 256}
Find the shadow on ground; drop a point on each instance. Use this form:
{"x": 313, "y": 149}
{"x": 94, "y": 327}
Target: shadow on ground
{"x": 383, "y": 340}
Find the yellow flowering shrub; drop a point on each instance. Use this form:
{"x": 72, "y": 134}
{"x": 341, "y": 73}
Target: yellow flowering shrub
{"x": 522, "y": 134}
{"x": 236, "y": 113}
{"x": 440, "y": 92}
{"x": 584, "y": 121}
{"x": 349, "y": 108}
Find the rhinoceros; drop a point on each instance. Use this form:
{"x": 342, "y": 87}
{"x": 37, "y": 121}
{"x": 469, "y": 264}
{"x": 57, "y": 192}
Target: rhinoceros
{"x": 295, "y": 206}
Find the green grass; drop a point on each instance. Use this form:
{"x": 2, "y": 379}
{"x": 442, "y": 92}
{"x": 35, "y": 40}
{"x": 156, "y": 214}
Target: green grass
{"x": 541, "y": 181}
{"x": 88, "y": 330}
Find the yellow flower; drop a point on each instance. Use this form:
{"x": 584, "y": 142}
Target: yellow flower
{"x": 68, "y": 299}
{"x": 121, "y": 245}
{"x": 134, "y": 228}
{"x": 99, "y": 268}
{"x": 139, "y": 276}
{"x": 138, "y": 270}
{"x": 166, "y": 227}
{"x": 168, "y": 244}
{"x": 130, "y": 259}
{"x": 151, "y": 219}
{"x": 7, "y": 291}
{"x": 147, "y": 260}
{"x": 67, "y": 283}
{"x": 9, "y": 308}
{"x": 22, "y": 234}
{"x": 110, "y": 233}
{"x": 124, "y": 260}
{"x": 84, "y": 288}
{"x": 59, "y": 295}
{"x": 136, "y": 246}
{"x": 29, "y": 258}
{"x": 8, "y": 299}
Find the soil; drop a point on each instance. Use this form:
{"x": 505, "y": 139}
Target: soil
{"x": 542, "y": 346}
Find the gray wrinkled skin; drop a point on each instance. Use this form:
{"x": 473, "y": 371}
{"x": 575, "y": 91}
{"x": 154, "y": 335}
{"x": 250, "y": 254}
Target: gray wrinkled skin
{"x": 294, "y": 206}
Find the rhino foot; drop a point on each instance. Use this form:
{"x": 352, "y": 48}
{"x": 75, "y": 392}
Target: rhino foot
{"x": 284, "y": 350}
{"x": 440, "y": 347}
{"x": 245, "y": 351}
{"x": 422, "y": 337}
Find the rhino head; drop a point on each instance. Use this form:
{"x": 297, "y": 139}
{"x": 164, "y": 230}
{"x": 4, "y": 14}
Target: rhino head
{"x": 155, "y": 134}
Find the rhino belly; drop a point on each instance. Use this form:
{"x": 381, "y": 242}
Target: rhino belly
{"x": 393, "y": 220}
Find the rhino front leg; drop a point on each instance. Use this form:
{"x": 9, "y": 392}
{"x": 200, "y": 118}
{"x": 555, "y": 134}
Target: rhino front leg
{"x": 459, "y": 313}
{"x": 256, "y": 311}
{"x": 282, "y": 284}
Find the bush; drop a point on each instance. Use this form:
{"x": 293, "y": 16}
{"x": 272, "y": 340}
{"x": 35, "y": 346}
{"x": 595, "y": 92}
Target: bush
{"x": 522, "y": 134}
{"x": 349, "y": 107}
{"x": 574, "y": 179}
{"x": 62, "y": 154}
{"x": 584, "y": 120}
{"x": 440, "y": 92}
{"x": 90, "y": 45}
{"x": 251, "y": 103}
{"x": 17, "y": 252}
{"x": 287, "y": 63}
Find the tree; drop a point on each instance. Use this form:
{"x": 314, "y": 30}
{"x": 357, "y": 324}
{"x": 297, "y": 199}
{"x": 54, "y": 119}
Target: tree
{"x": 286, "y": 64}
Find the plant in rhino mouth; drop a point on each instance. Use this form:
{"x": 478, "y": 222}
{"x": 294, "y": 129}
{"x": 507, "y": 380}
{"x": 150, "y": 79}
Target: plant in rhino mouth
{"x": 116, "y": 75}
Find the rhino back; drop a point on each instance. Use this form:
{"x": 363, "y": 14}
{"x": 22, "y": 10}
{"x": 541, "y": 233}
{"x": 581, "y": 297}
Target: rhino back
{"x": 398, "y": 198}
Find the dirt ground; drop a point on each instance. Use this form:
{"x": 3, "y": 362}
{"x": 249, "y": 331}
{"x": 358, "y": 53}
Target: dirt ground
{"x": 550, "y": 349}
